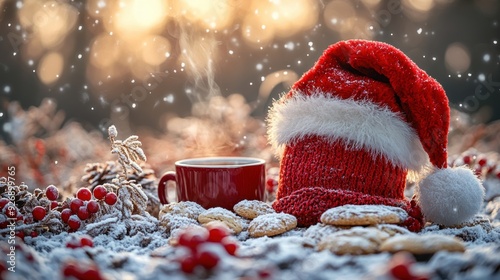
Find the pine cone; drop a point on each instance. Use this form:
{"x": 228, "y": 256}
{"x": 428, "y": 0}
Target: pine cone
{"x": 21, "y": 196}
{"x": 100, "y": 173}
{"x": 146, "y": 179}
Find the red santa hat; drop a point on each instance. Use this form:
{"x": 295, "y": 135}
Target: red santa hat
{"x": 353, "y": 127}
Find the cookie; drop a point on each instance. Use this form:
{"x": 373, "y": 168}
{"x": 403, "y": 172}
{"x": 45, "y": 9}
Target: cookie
{"x": 422, "y": 244}
{"x": 363, "y": 215}
{"x": 316, "y": 232}
{"x": 271, "y": 224}
{"x": 347, "y": 245}
{"x": 232, "y": 221}
{"x": 186, "y": 209}
{"x": 250, "y": 209}
{"x": 393, "y": 229}
{"x": 173, "y": 222}
{"x": 353, "y": 241}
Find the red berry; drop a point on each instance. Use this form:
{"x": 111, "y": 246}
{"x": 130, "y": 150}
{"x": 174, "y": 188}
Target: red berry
{"x": 86, "y": 241}
{"x": 91, "y": 273}
{"x": 20, "y": 217}
{"x": 93, "y": 206}
{"x": 208, "y": 259}
{"x": 70, "y": 269}
{"x": 467, "y": 159}
{"x": 216, "y": 234}
{"x": 110, "y": 198}
{"x": 230, "y": 245}
{"x": 100, "y": 192}
{"x": 75, "y": 204}
{"x": 52, "y": 192}
{"x": 65, "y": 214}
{"x": 3, "y": 202}
{"x": 39, "y": 213}
{"x": 10, "y": 211}
{"x": 83, "y": 213}
{"x": 188, "y": 264}
{"x": 20, "y": 234}
{"x": 192, "y": 239}
{"x": 498, "y": 174}
{"x": 74, "y": 222}
{"x": 54, "y": 204}
{"x": 401, "y": 271}
{"x": 482, "y": 162}
{"x": 84, "y": 194}
{"x": 271, "y": 183}
{"x": 34, "y": 234}
{"x": 4, "y": 224}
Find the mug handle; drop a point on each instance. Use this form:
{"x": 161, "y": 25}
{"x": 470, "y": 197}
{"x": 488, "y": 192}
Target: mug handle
{"x": 162, "y": 185}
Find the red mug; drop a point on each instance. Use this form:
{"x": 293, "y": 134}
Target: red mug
{"x": 216, "y": 181}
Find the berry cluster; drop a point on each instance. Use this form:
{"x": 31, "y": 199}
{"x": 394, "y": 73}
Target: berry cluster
{"x": 33, "y": 213}
{"x": 272, "y": 176}
{"x": 15, "y": 213}
{"x": 82, "y": 207}
{"x": 400, "y": 267}
{"x": 200, "y": 255}
{"x": 484, "y": 165}
{"x": 86, "y": 271}
{"x": 80, "y": 241}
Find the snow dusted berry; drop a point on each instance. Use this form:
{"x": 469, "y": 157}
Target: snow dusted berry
{"x": 467, "y": 159}
{"x": 93, "y": 207}
{"x": 100, "y": 192}
{"x": 110, "y": 198}
{"x": 52, "y": 192}
{"x": 216, "y": 234}
{"x": 208, "y": 259}
{"x": 39, "y": 213}
{"x": 10, "y": 210}
{"x": 482, "y": 162}
{"x": 3, "y": 201}
{"x": 84, "y": 194}
{"x": 54, "y": 204}
{"x": 75, "y": 204}
{"x": 65, "y": 214}
{"x": 72, "y": 269}
{"x": 80, "y": 241}
{"x": 20, "y": 234}
{"x": 188, "y": 264}
{"x": 83, "y": 213}
{"x": 230, "y": 245}
{"x": 74, "y": 222}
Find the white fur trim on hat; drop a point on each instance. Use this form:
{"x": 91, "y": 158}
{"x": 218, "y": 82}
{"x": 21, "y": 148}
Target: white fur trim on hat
{"x": 450, "y": 196}
{"x": 362, "y": 124}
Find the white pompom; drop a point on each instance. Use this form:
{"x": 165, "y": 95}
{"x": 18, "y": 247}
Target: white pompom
{"x": 450, "y": 196}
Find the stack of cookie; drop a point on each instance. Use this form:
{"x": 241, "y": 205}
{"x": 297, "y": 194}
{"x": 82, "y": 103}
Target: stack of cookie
{"x": 250, "y": 218}
{"x": 369, "y": 229}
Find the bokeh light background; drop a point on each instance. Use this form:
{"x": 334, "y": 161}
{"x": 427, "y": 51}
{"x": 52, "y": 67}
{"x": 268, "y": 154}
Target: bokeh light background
{"x": 148, "y": 63}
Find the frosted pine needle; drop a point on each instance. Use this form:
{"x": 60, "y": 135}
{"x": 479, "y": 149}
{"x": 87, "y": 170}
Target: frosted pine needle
{"x": 129, "y": 151}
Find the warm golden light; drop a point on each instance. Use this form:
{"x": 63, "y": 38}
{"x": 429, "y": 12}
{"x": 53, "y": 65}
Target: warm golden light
{"x": 50, "y": 67}
{"x": 134, "y": 18}
{"x": 105, "y": 51}
{"x": 265, "y": 20}
{"x": 420, "y": 5}
{"x": 457, "y": 58}
{"x": 215, "y": 15}
{"x": 155, "y": 50}
{"x": 336, "y": 14}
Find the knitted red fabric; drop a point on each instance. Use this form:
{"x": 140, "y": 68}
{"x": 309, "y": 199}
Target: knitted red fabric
{"x": 316, "y": 162}
{"x": 307, "y": 204}
{"x": 319, "y": 169}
